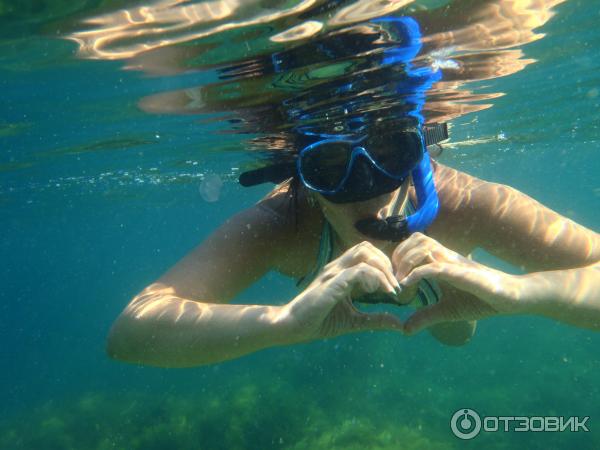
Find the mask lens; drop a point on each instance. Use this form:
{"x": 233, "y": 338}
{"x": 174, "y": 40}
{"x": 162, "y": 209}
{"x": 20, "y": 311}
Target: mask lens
{"x": 396, "y": 153}
{"x": 324, "y": 166}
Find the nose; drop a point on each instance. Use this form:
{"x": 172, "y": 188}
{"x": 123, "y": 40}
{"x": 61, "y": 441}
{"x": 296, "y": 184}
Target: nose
{"x": 361, "y": 174}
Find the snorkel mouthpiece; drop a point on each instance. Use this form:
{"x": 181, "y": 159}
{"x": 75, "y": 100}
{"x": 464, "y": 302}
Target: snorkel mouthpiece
{"x": 398, "y": 228}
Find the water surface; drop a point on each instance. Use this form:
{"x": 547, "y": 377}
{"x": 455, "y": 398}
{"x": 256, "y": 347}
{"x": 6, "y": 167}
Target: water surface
{"x": 107, "y": 150}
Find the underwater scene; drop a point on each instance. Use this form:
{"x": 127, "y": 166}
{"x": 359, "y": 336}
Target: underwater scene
{"x": 130, "y": 130}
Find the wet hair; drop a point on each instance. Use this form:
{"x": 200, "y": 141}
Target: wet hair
{"x": 289, "y": 194}
{"x": 276, "y": 149}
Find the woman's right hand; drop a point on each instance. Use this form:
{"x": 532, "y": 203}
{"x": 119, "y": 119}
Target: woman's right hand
{"x": 325, "y": 309}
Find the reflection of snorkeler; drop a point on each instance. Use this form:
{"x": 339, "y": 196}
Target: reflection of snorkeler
{"x": 183, "y": 319}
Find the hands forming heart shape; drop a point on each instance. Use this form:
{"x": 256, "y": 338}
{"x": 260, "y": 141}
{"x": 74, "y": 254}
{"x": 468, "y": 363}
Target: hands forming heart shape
{"x": 364, "y": 274}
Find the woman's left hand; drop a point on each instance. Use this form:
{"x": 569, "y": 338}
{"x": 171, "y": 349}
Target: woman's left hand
{"x": 492, "y": 292}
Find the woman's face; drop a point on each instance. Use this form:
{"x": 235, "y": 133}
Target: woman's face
{"x": 351, "y": 212}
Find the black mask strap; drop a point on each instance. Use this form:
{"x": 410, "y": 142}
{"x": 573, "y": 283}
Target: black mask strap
{"x": 275, "y": 173}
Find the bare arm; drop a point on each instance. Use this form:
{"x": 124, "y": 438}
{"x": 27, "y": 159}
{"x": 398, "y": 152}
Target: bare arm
{"x": 181, "y": 319}
{"x": 511, "y": 225}
{"x": 561, "y": 256}
{"x": 162, "y": 329}
{"x": 525, "y": 233}
{"x": 569, "y": 296}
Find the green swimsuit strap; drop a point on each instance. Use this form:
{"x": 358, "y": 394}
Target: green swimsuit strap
{"x": 324, "y": 255}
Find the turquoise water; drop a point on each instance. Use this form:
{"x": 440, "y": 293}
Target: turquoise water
{"x": 99, "y": 197}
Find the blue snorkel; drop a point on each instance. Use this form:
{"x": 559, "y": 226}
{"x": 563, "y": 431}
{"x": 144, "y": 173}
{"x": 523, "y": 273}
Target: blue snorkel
{"x": 427, "y": 197}
{"x": 398, "y": 228}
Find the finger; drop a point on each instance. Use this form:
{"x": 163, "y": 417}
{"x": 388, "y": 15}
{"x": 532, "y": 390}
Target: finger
{"x": 465, "y": 278}
{"x": 365, "y": 252}
{"x": 420, "y": 250}
{"x": 431, "y": 270}
{"x": 415, "y": 240}
{"x": 377, "y": 321}
{"x": 423, "y": 318}
{"x": 349, "y": 284}
{"x": 366, "y": 279}
{"x": 415, "y": 257}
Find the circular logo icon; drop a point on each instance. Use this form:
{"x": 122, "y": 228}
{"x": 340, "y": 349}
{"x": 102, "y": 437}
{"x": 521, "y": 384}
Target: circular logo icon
{"x": 465, "y": 424}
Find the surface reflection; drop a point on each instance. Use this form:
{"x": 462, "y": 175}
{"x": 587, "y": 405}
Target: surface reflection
{"x": 273, "y": 58}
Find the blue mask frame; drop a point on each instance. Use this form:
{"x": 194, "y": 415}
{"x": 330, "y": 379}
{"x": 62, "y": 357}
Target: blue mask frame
{"x": 356, "y": 150}
{"x": 394, "y": 228}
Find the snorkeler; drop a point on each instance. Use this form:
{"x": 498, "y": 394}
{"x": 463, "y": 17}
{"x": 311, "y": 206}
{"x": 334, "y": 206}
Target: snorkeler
{"x": 374, "y": 219}
{"x": 183, "y": 320}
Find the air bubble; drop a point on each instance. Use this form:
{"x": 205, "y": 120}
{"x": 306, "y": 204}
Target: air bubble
{"x": 210, "y": 188}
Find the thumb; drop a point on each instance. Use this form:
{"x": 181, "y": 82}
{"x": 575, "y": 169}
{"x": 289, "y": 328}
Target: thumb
{"x": 424, "y": 318}
{"x": 378, "y": 321}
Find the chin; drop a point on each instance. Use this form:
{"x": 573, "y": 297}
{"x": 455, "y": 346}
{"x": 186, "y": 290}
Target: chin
{"x": 375, "y": 203}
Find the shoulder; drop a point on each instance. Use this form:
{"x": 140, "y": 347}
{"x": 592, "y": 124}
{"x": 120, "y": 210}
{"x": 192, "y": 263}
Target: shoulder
{"x": 464, "y": 195}
{"x": 465, "y": 201}
{"x": 510, "y": 224}
{"x": 295, "y": 226}
{"x": 458, "y": 190}
{"x": 241, "y": 250}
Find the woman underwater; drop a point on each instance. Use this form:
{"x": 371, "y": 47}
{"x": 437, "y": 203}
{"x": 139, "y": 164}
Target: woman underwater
{"x": 374, "y": 220}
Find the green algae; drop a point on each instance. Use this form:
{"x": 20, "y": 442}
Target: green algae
{"x": 250, "y": 417}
